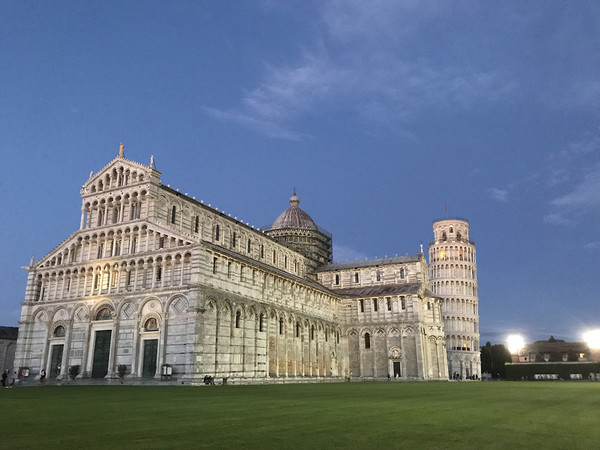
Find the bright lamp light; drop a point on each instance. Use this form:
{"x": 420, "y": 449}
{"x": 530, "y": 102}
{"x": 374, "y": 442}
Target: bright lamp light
{"x": 515, "y": 342}
{"x": 592, "y": 338}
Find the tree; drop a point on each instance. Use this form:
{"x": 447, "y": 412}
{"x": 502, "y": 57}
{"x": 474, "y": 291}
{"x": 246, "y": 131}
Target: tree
{"x": 493, "y": 358}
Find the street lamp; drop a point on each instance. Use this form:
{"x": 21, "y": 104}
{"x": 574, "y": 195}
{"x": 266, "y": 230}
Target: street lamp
{"x": 515, "y": 343}
{"x": 592, "y": 338}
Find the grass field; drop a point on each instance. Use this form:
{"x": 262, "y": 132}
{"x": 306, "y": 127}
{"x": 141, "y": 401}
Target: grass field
{"x": 346, "y": 415}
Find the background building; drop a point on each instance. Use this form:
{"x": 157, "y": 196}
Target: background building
{"x": 8, "y": 344}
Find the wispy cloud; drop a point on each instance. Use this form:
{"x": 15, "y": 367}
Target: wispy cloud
{"x": 557, "y": 219}
{"x": 348, "y": 66}
{"x": 585, "y": 194}
{"x": 500, "y": 195}
{"x": 595, "y": 245}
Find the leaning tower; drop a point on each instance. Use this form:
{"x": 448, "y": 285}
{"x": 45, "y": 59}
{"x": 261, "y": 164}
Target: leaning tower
{"x": 453, "y": 277}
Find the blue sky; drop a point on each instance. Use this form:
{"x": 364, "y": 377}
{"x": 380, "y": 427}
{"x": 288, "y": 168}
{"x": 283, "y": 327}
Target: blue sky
{"x": 378, "y": 112}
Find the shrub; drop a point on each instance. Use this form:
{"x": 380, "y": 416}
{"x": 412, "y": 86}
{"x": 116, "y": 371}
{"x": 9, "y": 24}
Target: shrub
{"x": 74, "y": 371}
{"x": 121, "y": 370}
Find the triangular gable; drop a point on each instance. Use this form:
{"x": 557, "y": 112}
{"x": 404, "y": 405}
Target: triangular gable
{"x": 118, "y": 163}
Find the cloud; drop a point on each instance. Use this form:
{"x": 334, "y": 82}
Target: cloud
{"x": 342, "y": 253}
{"x": 585, "y": 194}
{"x": 556, "y": 219}
{"x": 349, "y": 66}
{"x": 595, "y": 245}
{"x": 500, "y": 195}
{"x": 265, "y": 127}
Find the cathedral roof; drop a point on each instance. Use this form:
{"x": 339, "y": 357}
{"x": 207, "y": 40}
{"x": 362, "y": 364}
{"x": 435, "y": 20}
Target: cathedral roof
{"x": 371, "y": 262}
{"x": 294, "y": 217}
{"x": 386, "y": 289}
{"x": 9, "y": 332}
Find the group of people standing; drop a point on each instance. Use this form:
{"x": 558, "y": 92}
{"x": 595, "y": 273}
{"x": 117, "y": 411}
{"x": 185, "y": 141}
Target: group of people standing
{"x": 5, "y": 380}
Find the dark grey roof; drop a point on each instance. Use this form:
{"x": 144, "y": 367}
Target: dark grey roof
{"x": 371, "y": 262}
{"x": 294, "y": 217}
{"x": 269, "y": 268}
{"x": 9, "y": 332}
{"x": 378, "y": 291}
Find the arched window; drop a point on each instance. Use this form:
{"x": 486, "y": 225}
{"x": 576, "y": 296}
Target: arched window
{"x": 173, "y": 213}
{"x": 234, "y": 239}
{"x": 104, "y": 314}
{"x": 281, "y": 325}
{"x": 402, "y": 274}
{"x": 261, "y": 323}
{"x": 217, "y": 232}
{"x": 337, "y": 279}
{"x": 297, "y": 329}
{"x": 249, "y": 245}
{"x": 312, "y": 332}
{"x": 367, "y": 340}
{"x": 378, "y": 275}
{"x": 375, "y": 304}
{"x": 451, "y": 230}
{"x": 356, "y": 277}
{"x": 458, "y": 236}
{"x": 444, "y": 236}
{"x": 59, "y": 331}
{"x": 151, "y": 324}
{"x": 238, "y": 316}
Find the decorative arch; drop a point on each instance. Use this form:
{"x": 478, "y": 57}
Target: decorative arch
{"x": 177, "y": 304}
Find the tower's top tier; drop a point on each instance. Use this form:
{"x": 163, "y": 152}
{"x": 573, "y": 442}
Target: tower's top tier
{"x": 451, "y": 230}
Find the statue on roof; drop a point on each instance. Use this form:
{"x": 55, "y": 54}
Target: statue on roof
{"x": 121, "y": 149}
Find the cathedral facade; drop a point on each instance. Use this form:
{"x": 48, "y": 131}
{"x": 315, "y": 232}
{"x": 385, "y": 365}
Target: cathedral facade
{"x": 155, "y": 282}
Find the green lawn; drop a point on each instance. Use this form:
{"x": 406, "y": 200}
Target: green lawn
{"x": 346, "y": 415}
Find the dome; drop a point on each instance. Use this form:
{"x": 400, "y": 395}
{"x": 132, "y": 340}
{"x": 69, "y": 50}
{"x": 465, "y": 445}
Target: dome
{"x": 294, "y": 217}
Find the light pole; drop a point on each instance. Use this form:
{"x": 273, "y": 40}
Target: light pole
{"x": 592, "y": 338}
{"x": 515, "y": 343}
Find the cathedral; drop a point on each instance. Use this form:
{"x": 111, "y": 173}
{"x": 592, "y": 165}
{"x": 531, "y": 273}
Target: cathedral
{"x": 155, "y": 283}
